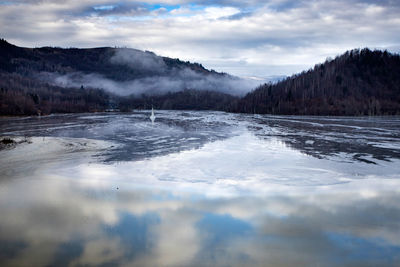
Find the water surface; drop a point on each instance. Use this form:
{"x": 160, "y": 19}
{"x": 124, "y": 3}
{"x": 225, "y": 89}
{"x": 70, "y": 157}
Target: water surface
{"x": 200, "y": 189}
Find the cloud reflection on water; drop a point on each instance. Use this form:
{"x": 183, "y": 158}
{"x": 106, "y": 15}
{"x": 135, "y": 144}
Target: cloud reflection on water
{"x": 249, "y": 198}
{"x": 145, "y": 227}
{"x": 240, "y": 201}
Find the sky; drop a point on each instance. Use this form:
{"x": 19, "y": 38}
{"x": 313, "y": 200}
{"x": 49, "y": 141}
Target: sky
{"x": 245, "y": 38}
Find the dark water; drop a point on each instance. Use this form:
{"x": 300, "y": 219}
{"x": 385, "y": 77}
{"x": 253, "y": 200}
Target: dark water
{"x": 200, "y": 189}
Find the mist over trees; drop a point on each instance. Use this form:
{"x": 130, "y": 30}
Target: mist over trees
{"x": 50, "y": 80}
{"x": 23, "y": 96}
{"x": 56, "y": 80}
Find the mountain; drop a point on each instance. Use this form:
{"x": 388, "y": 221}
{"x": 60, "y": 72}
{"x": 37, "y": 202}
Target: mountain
{"x": 118, "y": 64}
{"x": 50, "y": 79}
{"x": 359, "y": 82}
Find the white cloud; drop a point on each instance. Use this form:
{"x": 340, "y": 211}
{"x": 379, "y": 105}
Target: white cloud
{"x": 267, "y": 36}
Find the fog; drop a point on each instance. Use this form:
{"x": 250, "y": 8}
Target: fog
{"x": 137, "y": 59}
{"x": 159, "y": 78}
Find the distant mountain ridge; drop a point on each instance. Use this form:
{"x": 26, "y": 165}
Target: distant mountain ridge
{"x": 87, "y": 60}
{"x": 109, "y": 64}
{"x": 53, "y": 80}
{"x": 359, "y": 82}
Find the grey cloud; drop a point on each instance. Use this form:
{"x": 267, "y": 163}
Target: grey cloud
{"x": 240, "y": 15}
{"x": 120, "y": 5}
{"x": 267, "y": 33}
{"x": 120, "y": 8}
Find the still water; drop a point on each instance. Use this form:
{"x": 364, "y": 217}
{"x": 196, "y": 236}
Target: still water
{"x": 200, "y": 189}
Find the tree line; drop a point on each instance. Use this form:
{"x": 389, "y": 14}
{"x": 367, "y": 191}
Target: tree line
{"x": 24, "y": 96}
{"x": 359, "y": 82}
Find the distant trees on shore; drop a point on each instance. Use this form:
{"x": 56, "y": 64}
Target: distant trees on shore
{"x": 23, "y": 96}
{"x": 359, "y": 82}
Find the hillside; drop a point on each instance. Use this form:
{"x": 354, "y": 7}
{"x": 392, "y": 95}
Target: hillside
{"x": 50, "y": 80}
{"x": 359, "y": 82}
{"x": 53, "y": 80}
{"x": 120, "y": 64}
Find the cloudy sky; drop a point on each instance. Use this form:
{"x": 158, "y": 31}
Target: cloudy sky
{"x": 244, "y": 38}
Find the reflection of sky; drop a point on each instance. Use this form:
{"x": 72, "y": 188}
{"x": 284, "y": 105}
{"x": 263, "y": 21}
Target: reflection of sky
{"x": 101, "y": 224}
{"x": 242, "y": 164}
{"x": 239, "y": 201}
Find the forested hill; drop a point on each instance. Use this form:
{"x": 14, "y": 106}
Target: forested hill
{"x": 119, "y": 64}
{"x": 359, "y": 82}
{"x": 50, "y": 80}
{"x": 53, "y": 80}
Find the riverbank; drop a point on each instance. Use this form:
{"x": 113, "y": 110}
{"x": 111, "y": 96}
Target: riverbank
{"x": 21, "y": 155}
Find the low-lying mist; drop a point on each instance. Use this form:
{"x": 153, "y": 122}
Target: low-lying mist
{"x": 160, "y": 78}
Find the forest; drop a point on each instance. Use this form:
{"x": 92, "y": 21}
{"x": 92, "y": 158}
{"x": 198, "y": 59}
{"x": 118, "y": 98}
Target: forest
{"x": 359, "y": 82}
{"x": 26, "y": 90}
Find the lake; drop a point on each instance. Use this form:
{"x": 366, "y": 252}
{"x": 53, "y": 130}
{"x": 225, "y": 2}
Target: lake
{"x": 200, "y": 189}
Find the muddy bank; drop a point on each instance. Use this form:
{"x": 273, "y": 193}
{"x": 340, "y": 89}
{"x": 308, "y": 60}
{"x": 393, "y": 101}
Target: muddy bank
{"x": 7, "y": 142}
{"x": 20, "y": 155}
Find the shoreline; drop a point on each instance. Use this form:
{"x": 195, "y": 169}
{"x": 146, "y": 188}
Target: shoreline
{"x": 30, "y": 155}
{"x": 204, "y": 110}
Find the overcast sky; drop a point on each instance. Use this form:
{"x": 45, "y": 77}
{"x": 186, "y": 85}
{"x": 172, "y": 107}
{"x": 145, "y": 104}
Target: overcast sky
{"x": 244, "y": 38}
